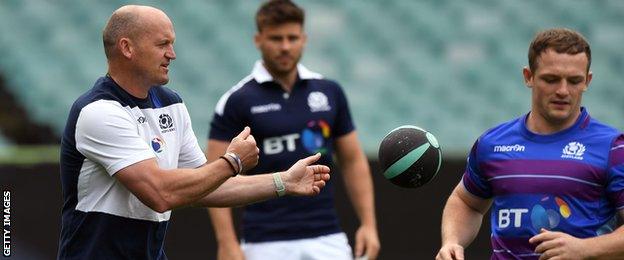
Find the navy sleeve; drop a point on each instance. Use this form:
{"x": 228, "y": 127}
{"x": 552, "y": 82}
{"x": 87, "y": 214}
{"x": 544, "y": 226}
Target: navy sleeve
{"x": 228, "y": 120}
{"x": 343, "y": 124}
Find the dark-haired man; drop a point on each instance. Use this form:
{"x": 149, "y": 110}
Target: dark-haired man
{"x": 554, "y": 177}
{"x": 293, "y": 112}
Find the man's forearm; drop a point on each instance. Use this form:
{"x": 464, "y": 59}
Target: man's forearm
{"x": 359, "y": 187}
{"x": 193, "y": 184}
{"x": 223, "y": 225}
{"x": 241, "y": 190}
{"x": 460, "y": 223}
{"x": 221, "y": 218}
{"x": 609, "y": 246}
{"x": 164, "y": 190}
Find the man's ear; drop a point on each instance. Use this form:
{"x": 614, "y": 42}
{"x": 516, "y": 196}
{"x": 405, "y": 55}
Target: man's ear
{"x": 304, "y": 37}
{"x": 125, "y": 47}
{"x": 257, "y": 40}
{"x": 590, "y": 76}
{"x": 528, "y": 76}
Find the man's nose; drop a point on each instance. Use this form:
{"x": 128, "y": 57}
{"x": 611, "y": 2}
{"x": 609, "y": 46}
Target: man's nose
{"x": 170, "y": 54}
{"x": 285, "y": 45}
{"x": 563, "y": 88}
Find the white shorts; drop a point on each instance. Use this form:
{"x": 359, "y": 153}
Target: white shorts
{"x": 334, "y": 247}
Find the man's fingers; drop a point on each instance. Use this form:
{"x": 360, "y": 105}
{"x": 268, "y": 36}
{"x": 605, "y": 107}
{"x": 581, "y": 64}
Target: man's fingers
{"x": 243, "y": 134}
{"x": 458, "y": 253}
{"x": 319, "y": 184}
{"x": 451, "y": 252}
{"x": 545, "y": 246}
{"x": 359, "y": 246}
{"x": 447, "y": 255}
{"x": 370, "y": 249}
{"x": 549, "y": 254}
{"x": 252, "y": 139}
{"x": 321, "y": 177}
{"x": 537, "y": 239}
{"x": 320, "y": 169}
{"x": 444, "y": 255}
{"x": 542, "y": 236}
{"x": 320, "y": 172}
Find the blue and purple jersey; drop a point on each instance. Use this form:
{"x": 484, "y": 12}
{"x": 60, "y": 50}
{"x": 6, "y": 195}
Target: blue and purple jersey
{"x": 571, "y": 181}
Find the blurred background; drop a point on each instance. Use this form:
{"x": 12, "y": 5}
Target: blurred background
{"x": 451, "y": 67}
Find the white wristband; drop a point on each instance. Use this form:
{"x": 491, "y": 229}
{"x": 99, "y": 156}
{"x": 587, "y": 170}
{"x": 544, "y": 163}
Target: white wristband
{"x": 279, "y": 185}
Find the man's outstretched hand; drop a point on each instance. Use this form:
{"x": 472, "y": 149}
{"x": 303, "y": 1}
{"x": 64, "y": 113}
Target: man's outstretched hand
{"x": 304, "y": 179}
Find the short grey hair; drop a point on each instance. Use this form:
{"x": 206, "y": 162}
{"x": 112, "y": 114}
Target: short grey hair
{"x": 121, "y": 24}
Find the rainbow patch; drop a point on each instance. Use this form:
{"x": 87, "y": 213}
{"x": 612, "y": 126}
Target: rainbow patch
{"x": 564, "y": 209}
{"x": 315, "y": 136}
{"x": 324, "y": 128}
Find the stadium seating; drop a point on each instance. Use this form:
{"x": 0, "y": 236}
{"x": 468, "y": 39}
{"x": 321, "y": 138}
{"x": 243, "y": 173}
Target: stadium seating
{"x": 453, "y": 67}
{"x": 3, "y": 141}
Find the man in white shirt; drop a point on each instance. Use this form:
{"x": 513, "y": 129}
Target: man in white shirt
{"x": 129, "y": 154}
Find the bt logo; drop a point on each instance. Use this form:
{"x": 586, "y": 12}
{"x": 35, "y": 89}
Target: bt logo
{"x": 547, "y": 213}
{"x": 313, "y": 138}
{"x": 505, "y": 217}
{"x": 275, "y": 145}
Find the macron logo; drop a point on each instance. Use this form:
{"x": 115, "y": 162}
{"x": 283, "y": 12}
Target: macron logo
{"x": 266, "y": 108}
{"x": 508, "y": 148}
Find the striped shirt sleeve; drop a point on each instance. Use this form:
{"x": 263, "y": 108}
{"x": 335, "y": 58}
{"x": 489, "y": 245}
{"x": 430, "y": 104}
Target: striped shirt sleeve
{"x": 615, "y": 186}
{"x": 473, "y": 179}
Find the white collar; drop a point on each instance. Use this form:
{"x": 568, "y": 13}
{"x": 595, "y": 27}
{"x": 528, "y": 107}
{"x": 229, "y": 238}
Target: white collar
{"x": 261, "y": 74}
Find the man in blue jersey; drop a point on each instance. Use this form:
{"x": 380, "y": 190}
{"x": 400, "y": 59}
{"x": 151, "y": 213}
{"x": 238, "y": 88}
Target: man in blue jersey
{"x": 293, "y": 112}
{"x": 129, "y": 154}
{"x": 554, "y": 178}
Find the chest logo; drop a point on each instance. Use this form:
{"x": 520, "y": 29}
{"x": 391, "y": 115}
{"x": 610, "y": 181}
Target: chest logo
{"x": 318, "y": 102}
{"x": 573, "y": 150}
{"x": 314, "y": 139}
{"x": 315, "y": 136}
{"x": 509, "y": 148}
{"x": 266, "y": 108}
{"x": 166, "y": 123}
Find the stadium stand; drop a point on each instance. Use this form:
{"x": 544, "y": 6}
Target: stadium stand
{"x": 4, "y": 142}
{"x": 452, "y": 67}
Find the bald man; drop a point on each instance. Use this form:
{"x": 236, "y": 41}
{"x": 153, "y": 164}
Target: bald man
{"x": 129, "y": 155}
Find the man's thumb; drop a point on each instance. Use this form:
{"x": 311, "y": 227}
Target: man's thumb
{"x": 243, "y": 134}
